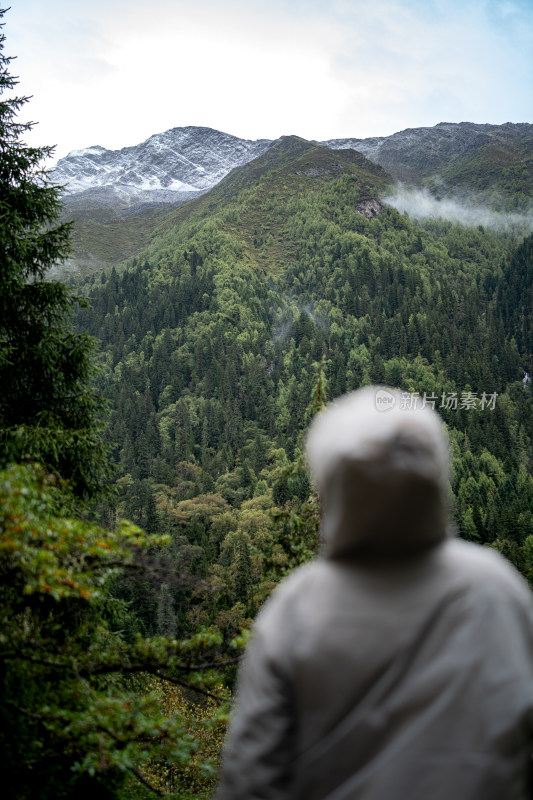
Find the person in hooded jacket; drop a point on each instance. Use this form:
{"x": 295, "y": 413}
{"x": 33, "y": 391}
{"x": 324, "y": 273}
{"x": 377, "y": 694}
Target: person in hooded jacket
{"x": 398, "y": 665}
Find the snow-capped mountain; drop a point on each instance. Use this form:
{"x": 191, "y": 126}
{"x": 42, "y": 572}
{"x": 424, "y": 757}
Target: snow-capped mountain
{"x": 167, "y": 167}
{"x": 179, "y": 164}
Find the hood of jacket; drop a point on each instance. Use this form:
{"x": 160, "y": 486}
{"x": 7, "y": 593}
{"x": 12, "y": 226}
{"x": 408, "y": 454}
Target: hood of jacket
{"x": 380, "y": 464}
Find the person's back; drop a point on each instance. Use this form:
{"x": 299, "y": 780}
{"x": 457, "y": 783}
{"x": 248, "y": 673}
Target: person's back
{"x": 399, "y": 664}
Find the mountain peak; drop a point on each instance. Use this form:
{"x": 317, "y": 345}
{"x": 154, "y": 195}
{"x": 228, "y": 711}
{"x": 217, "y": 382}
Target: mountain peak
{"x": 190, "y": 159}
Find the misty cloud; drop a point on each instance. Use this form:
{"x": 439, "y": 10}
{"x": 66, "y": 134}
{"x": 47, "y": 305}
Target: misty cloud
{"x": 286, "y": 317}
{"x": 421, "y": 204}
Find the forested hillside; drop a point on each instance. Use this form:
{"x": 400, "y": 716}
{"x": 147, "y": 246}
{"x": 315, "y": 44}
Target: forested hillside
{"x": 288, "y": 283}
{"x": 118, "y": 198}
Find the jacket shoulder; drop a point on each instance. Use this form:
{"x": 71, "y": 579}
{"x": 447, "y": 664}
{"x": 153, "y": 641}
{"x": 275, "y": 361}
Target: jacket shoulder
{"x": 483, "y": 566}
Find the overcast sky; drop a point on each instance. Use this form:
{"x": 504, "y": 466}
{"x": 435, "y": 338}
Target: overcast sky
{"x": 114, "y": 72}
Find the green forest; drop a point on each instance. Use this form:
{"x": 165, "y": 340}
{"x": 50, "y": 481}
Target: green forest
{"x": 153, "y": 491}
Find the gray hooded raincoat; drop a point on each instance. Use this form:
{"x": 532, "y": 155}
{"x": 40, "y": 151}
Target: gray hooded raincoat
{"x": 399, "y": 664}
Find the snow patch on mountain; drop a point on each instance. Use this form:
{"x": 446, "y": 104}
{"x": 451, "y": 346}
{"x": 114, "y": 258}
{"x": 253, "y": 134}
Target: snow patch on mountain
{"x": 191, "y": 159}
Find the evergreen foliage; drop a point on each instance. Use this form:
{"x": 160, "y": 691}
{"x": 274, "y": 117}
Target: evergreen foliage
{"x": 78, "y": 711}
{"x": 48, "y": 410}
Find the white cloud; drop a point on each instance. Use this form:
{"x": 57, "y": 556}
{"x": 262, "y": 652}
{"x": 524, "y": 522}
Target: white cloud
{"x": 113, "y": 72}
{"x": 421, "y": 204}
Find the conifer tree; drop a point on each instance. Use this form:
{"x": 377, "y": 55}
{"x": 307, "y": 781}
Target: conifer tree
{"x": 48, "y": 411}
{"x": 243, "y": 570}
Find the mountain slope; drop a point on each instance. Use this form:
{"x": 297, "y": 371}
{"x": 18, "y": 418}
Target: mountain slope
{"x": 294, "y": 165}
{"x": 126, "y": 193}
{"x": 446, "y": 149}
{"x": 290, "y": 169}
{"x": 104, "y": 238}
{"x": 115, "y": 196}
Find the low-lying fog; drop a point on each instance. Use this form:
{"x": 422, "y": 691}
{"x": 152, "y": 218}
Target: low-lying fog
{"x": 421, "y": 204}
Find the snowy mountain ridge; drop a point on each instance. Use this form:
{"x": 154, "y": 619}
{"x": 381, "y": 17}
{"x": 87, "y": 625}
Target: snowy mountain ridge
{"x": 180, "y": 163}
